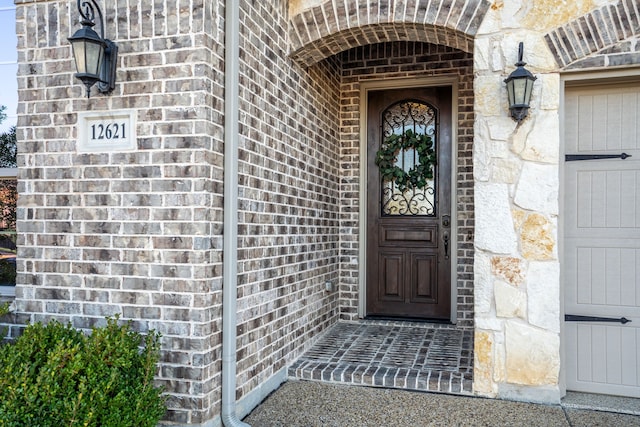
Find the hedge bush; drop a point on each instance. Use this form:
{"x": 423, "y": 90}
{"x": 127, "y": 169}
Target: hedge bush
{"x": 54, "y": 375}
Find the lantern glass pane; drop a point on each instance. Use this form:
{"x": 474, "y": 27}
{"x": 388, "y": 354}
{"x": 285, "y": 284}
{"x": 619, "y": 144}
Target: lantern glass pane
{"x": 94, "y": 55}
{"x": 510, "y": 92}
{"x": 527, "y": 94}
{"x": 79, "y": 55}
{"x": 519, "y": 90}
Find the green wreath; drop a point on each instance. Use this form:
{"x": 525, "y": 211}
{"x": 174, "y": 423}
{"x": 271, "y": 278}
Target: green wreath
{"x": 418, "y": 176}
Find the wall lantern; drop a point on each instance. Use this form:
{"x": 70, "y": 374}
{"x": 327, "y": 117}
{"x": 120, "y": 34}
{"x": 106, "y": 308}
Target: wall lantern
{"x": 94, "y": 55}
{"x": 519, "y": 86}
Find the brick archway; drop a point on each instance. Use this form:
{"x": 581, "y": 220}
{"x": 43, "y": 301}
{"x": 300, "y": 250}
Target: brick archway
{"x": 604, "y": 37}
{"x": 336, "y": 25}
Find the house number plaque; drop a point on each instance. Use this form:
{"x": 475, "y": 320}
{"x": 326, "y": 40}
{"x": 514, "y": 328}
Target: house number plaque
{"x": 106, "y": 131}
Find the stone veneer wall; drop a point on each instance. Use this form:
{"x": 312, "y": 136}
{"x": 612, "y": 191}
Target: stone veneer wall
{"x": 398, "y": 60}
{"x": 139, "y": 233}
{"x": 516, "y": 171}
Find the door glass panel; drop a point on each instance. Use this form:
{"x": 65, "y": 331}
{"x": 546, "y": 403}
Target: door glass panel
{"x": 409, "y": 132}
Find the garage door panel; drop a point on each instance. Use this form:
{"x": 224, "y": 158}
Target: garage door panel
{"x": 602, "y": 275}
{"x": 630, "y": 114}
{"x": 604, "y": 202}
{"x": 603, "y": 121}
{"x": 630, "y": 200}
{"x": 606, "y": 199}
{"x": 630, "y": 295}
{"x": 612, "y": 355}
{"x": 601, "y": 256}
{"x": 630, "y": 348}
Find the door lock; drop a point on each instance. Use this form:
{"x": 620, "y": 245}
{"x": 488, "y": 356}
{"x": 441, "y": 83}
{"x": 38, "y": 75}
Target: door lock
{"x": 446, "y": 221}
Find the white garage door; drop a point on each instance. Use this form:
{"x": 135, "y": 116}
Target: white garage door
{"x": 602, "y": 238}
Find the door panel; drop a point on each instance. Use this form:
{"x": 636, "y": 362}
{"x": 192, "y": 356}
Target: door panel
{"x": 408, "y": 263}
{"x": 391, "y": 270}
{"x": 424, "y": 278}
{"x": 602, "y": 239}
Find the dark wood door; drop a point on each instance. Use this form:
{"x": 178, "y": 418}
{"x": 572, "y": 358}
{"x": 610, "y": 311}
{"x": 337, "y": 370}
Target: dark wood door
{"x": 409, "y": 226}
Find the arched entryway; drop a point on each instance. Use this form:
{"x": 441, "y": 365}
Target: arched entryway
{"x": 396, "y": 42}
{"x": 422, "y": 49}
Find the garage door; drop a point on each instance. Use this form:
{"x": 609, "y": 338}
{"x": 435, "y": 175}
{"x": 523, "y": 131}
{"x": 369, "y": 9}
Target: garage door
{"x": 602, "y": 238}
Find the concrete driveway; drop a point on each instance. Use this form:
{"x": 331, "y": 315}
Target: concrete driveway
{"x": 310, "y": 404}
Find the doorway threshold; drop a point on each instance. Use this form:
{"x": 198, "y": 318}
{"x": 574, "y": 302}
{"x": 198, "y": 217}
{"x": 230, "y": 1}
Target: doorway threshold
{"x": 406, "y": 320}
{"x": 434, "y": 357}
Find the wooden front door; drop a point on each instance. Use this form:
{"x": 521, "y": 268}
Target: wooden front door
{"x": 409, "y": 231}
{"x": 602, "y": 238}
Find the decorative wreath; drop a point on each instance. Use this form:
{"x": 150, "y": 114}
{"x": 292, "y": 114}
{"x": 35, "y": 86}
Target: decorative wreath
{"x": 417, "y": 176}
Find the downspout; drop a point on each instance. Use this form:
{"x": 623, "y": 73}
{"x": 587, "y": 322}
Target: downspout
{"x": 230, "y": 224}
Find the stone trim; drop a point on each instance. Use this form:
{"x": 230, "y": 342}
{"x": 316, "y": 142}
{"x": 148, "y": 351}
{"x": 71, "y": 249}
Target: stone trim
{"x": 335, "y": 26}
{"x": 605, "y": 37}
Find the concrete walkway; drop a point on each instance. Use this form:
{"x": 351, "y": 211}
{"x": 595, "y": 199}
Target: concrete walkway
{"x": 310, "y": 404}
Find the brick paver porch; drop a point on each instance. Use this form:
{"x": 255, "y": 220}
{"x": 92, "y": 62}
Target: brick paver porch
{"x": 404, "y": 355}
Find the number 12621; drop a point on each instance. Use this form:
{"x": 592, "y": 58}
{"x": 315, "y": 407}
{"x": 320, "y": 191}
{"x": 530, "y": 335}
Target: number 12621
{"x": 101, "y": 131}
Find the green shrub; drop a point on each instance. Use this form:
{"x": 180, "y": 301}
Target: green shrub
{"x": 5, "y": 308}
{"x": 55, "y": 375}
{"x": 7, "y": 273}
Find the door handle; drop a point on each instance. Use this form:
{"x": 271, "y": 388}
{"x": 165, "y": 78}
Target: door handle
{"x": 445, "y": 237}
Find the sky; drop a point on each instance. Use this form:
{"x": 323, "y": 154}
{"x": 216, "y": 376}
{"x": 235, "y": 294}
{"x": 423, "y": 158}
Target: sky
{"x": 8, "y": 63}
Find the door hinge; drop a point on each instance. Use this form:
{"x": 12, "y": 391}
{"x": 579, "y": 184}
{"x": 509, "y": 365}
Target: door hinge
{"x": 576, "y": 157}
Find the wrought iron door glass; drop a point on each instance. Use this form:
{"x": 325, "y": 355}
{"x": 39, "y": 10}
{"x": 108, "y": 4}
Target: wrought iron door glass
{"x": 421, "y": 118}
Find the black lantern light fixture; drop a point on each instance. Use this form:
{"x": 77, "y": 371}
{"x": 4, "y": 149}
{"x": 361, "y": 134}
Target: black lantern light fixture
{"x": 94, "y": 55}
{"x": 519, "y": 86}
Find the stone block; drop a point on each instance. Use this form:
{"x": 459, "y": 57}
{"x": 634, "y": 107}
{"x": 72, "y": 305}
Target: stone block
{"x": 493, "y": 213}
{"x": 543, "y": 292}
{"x": 533, "y": 355}
{"x": 481, "y": 154}
{"x": 500, "y": 358}
{"x": 538, "y": 238}
{"x": 505, "y": 171}
{"x": 483, "y": 364}
{"x": 538, "y": 139}
{"x": 489, "y": 94}
{"x": 509, "y": 269}
{"x": 490, "y": 323}
{"x": 510, "y": 302}
{"x": 538, "y": 188}
{"x": 483, "y": 286}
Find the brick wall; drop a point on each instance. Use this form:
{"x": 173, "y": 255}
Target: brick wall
{"x": 397, "y": 60}
{"x": 139, "y": 233}
{"x": 131, "y": 233}
{"x": 289, "y": 197}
